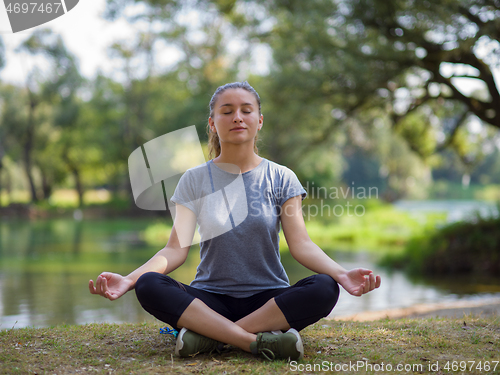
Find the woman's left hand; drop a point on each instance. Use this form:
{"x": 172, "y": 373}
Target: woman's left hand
{"x": 359, "y": 281}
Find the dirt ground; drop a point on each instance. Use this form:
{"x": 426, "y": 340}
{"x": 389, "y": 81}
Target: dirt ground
{"x": 456, "y": 309}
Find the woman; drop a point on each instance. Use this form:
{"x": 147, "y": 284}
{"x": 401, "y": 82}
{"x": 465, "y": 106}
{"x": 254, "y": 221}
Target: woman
{"x": 240, "y": 295}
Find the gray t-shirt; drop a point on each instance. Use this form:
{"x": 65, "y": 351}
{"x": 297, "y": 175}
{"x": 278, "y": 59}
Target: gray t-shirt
{"x": 239, "y": 223}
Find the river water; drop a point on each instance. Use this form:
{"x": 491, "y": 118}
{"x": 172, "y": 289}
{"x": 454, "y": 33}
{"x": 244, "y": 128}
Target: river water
{"x": 45, "y": 267}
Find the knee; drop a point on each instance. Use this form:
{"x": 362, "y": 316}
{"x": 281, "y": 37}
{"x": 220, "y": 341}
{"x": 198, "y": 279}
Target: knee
{"x": 326, "y": 289}
{"x": 145, "y": 283}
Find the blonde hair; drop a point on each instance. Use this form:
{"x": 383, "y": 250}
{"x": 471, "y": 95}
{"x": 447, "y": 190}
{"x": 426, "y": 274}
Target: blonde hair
{"x": 213, "y": 137}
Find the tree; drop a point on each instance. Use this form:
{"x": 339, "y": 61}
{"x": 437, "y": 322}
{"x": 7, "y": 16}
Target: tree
{"x": 13, "y": 116}
{"x": 2, "y": 131}
{"x": 406, "y": 57}
{"x": 442, "y": 44}
{"x": 51, "y": 105}
{"x": 156, "y": 100}
{"x": 340, "y": 65}
{"x": 366, "y": 62}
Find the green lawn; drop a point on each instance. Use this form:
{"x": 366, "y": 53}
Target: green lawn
{"x": 438, "y": 345}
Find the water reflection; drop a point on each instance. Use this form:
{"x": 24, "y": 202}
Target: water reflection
{"x": 45, "y": 267}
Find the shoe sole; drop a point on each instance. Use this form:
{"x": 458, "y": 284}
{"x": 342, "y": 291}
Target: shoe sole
{"x": 179, "y": 343}
{"x": 298, "y": 345}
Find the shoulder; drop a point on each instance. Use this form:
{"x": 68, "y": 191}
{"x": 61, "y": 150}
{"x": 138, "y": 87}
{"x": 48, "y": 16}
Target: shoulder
{"x": 199, "y": 168}
{"x": 275, "y": 167}
{"x": 278, "y": 169}
{"x": 194, "y": 178}
{"x": 285, "y": 182}
{"x": 199, "y": 171}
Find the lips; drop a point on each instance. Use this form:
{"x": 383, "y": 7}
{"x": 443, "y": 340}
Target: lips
{"x": 238, "y": 128}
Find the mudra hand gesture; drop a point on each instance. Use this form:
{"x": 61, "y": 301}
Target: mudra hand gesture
{"x": 359, "y": 281}
{"x": 110, "y": 285}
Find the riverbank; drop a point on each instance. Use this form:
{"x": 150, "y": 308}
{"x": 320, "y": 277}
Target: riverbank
{"x": 437, "y": 345}
{"x": 488, "y": 307}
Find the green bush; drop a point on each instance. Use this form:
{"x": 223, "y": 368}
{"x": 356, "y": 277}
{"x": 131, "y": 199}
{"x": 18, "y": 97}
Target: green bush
{"x": 458, "y": 248}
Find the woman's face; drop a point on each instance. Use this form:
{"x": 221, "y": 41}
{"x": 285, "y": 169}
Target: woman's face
{"x": 236, "y": 117}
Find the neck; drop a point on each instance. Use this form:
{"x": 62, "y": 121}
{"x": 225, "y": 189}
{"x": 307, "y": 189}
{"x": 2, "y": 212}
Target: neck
{"x": 244, "y": 158}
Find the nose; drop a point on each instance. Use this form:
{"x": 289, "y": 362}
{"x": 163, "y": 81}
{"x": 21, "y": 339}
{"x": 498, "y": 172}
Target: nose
{"x": 237, "y": 117}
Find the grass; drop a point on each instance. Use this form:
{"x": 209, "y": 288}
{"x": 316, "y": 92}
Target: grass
{"x": 419, "y": 345}
{"x": 62, "y": 198}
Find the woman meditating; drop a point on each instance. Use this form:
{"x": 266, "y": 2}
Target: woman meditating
{"x": 241, "y": 294}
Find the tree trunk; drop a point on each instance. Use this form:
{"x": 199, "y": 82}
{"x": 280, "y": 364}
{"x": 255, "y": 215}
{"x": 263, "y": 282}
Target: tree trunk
{"x": 46, "y": 185}
{"x": 28, "y": 146}
{"x": 8, "y": 186}
{"x": 76, "y": 175}
{"x": 78, "y": 184}
{"x": 27, "y": 170}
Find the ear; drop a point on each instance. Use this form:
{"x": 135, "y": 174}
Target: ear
{"x": 261, "y": 122}
{"x": 212, "y": 125}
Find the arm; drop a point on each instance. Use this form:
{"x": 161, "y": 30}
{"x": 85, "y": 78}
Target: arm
{"x": 357, "y": 281}
{"x": 174, "y": 254}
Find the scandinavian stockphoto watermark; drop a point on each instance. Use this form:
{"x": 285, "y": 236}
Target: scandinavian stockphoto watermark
{"x": 321, "y": 203}
{"x": 324, "y": 196}
{"x": 20, "y": 15}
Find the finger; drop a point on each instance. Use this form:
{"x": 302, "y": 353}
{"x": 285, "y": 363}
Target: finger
{"x": 91, "y": 287}
{"x": 98, "y": 285}
{"x": 372, "y": 281}
{"x": 360, "y": 290}
{"x": 111, "y": 296}
{"x": 378, "y": 281}
{"x": 365, "y": 271}
{"x": 104, "y": 286}
{"x": 366, "y": 289}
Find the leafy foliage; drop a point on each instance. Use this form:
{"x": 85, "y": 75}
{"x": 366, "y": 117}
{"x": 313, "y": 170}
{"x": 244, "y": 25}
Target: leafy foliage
{"x": 456, "y": 249}
{"x": 375, "y": 78}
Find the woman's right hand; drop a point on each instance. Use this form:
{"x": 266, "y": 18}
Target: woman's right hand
{"x": 110, "y": 285}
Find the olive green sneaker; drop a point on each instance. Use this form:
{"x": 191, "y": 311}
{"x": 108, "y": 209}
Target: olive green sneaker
{"x": 190, "y": 343}
{"x": 282, "y": 346}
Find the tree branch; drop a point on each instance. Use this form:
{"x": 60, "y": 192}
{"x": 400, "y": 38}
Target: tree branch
{"x": 323, "y": 137}
{"x": 415, "y": 104}
{"x": 453, "y": 133}
{"x": 485, "y": 74}
{"x": 480, "y": 108}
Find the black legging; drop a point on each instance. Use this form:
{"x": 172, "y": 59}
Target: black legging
{"x": 302, "y": 304}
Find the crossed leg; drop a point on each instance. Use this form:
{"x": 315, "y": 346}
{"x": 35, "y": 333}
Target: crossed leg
{"x": 170, "y": 301}
{"x": 200, "y": 318}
